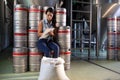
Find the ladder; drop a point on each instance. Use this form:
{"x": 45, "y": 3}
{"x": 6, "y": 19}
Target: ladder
{"x": 81, "y": 22}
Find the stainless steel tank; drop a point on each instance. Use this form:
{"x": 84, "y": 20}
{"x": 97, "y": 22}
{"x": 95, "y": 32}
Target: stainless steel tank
{"x": 105, "y": 1}
{"x": 42, "y": 3}
{"x": 20, "y": 59}
{"x": 103, "y": 9}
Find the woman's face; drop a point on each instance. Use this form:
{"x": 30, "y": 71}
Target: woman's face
{"x": 49, "y": 16}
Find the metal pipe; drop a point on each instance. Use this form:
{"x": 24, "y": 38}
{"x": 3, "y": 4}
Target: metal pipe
{"x": 98, "y": 29}
{"x": 75, "y": 26}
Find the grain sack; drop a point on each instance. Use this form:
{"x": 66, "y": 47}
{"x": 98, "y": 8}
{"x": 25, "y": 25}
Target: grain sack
{"x": 47, "y": 69}
{"x": 60, "y": 70}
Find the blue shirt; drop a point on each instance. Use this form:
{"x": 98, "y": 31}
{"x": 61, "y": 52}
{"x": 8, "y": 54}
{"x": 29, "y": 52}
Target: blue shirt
{"x": 46, "y": 25}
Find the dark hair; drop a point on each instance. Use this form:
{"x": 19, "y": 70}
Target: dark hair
{"x": 49, "y": 10}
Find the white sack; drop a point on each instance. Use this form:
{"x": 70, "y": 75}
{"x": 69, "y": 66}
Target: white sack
{"x": 47, "y": 69}
{"x": 61, "y": 71}
{"x": 52, "y": 69}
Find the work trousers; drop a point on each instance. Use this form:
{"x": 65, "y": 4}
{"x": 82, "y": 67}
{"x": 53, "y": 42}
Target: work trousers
{"x": 46, "y": 46}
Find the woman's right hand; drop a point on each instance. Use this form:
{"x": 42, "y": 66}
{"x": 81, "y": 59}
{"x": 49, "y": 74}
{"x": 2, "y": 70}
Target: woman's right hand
{"x": 51, "y": 33}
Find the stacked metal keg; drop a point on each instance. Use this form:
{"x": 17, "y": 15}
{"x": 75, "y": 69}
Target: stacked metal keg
{"x": 34, "y": 54}
{"x": 113, "y": 38}
{"x": 20, "y": 38}
{"x": 60, "y": 17}
{"x": 20, "y": 26}
{"x": 34, "y": 59}
{"x": 20, "y": 62}
{"x": 64, "y": 38}
{"x": 64, "y": 41}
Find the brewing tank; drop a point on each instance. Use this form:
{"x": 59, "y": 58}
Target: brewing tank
{"x": 101, "y": 10}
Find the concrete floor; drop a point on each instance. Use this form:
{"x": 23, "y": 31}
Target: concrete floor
{"x": 80, "y": 69}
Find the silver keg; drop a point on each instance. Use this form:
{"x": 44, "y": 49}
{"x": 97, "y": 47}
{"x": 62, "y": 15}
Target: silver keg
{"x": 60, "y": 17}
{"x": 64, "y": 41}
{"x": 20, "y": 40}
{"x": 18, "y": 29}
{"x": 60, "y": 24}
{"x": 34, "y": 59}
{"x": 111, "y": 53}
{"x": 20, "y": 12}
{"x": 44, "y": 11}
{"x": 20, "y": 23}
{"x": 113, "y": 37}
{"x": 35, "y": 12}
{"x": 113, "y": 24}
{"x": 33, "y": 23}
{"x": 20, "y": 59}
{"x": 33, "y": 37}
{"x": 118, "y": 53}
{"x": 66, "y": 55}
{"x": 67, "y": 58}
{"x": 64, "y": 38}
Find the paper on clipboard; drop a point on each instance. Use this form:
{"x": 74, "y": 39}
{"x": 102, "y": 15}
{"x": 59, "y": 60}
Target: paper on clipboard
{"x": 45, "y": 34}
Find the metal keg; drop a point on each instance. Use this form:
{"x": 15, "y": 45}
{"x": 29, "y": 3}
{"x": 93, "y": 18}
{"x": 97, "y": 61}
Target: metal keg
{"x": 118, "y": 39}
{"x": 112, "y": 53}
{"x": 44, "y": 11}
{"x": 20, "y": 40}
{"x": 66, "y": 55}
{"x": 18, "y": 29}
{"x": 20, "y": 12}
{"x": 33, "y": 23}
{"x": 33, "y": 37}
{"x": 58, "y": 24}
{"x": 34, "y": 59}
{"x": 114, "y": 24}
{"x": 112, "y": 39}
{"x": 118, "y": 56}
{"x": 64, "y": 38}
{"x": 20, "y": 59}
{"x": 33, "y": 28}
{"x": 61, "y": 15}
{"x": 20, "y": 23}
{"x": 35, "y": 12}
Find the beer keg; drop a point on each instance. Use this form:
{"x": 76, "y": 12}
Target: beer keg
{"x": 35, "y": 12}
{"x": 64, "y": 38}
{"x": 34, "y": 59}
{"x": 20, "y": 12}
{"x": 33, "y": 37}
{"x": 20, "y": 59}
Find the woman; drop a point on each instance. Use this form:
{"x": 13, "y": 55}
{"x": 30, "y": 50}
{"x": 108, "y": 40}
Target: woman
{"x": 46, "y": 45}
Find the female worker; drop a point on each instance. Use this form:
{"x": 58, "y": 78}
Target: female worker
{"x": 46, "y": 45}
